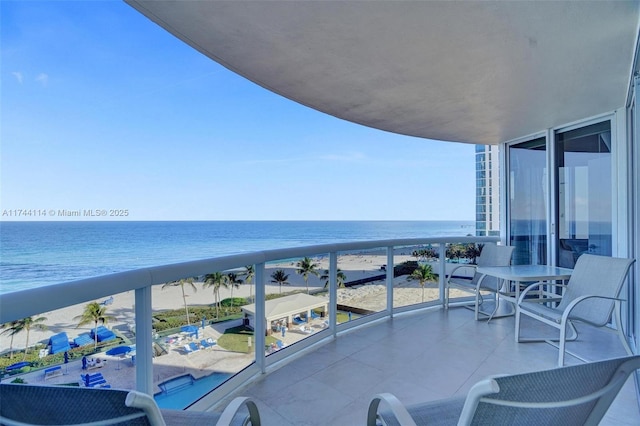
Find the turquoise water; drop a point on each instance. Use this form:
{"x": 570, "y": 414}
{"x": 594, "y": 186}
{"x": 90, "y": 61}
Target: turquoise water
{"x": 39, "y": 253}
{"x": 188, "y": 391}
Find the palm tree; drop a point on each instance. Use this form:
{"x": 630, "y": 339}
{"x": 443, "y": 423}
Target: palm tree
{"x": 94, "y": 313}
{"x": 472, "y": 252}
{"x": 215, "y": 280}
{"x": 280, "y": 278}
{"x": 234, "y": 281}
{"x": 340, "y": 278}
{"x": 11, "y": 328}
{"x": 249, "y": 273}
{"x": 27, "y": 324}
{"x": 306, "y": 267}
{"x": 181, "y": 283}
{"x": 423, "y": 273}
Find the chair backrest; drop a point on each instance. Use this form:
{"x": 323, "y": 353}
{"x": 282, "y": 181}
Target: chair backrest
{"x": 597, "y": 276}
{"x": 493, "y": 255}
{"x": 575, "y": 395}
{"x": 68, "y": 405}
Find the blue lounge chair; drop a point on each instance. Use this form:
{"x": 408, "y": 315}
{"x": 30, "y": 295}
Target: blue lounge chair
{"x": 194, "y": 346}
{"x": 205, "y": 344}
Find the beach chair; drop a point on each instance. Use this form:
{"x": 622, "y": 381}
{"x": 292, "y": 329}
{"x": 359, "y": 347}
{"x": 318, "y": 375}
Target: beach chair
{"x": 577, "y": 395}
{"x": 194, "y": 346}
{"x": 491, "y": 255}
{"x": 590, "y": 296}
{"x": 205, "y": 344}
{"x": 63, "y": 405}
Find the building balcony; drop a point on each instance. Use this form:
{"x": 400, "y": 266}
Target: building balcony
{"x": 328, "y": 367}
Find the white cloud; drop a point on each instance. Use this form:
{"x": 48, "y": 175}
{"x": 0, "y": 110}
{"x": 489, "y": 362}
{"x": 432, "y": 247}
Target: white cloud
{"x": 18, "y": 76}
{"x": 43, "y": 79}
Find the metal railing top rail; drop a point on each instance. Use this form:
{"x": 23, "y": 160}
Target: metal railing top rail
{"x": 24, "y": 303}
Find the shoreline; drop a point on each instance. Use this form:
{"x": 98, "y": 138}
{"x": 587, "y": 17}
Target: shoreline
{"x": 354, "y": 266}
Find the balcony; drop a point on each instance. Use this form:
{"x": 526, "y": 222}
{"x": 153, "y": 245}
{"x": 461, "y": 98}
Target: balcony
{"x": 416, "y": 351}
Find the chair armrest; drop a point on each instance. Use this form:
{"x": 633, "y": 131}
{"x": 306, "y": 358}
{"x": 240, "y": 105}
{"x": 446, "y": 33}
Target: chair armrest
{"x": 535, "y": 287}
{"x": 234, "y": 406}
{"x": 145, "y": 402}
{"x": 474, "y": 267}
{"x": 399, "y": 411}
{"x": 570, "y": 306}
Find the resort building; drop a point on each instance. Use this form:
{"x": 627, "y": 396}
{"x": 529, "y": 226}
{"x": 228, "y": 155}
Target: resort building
{"x": 552, "y": 86}
{"x": 487, "y": 190}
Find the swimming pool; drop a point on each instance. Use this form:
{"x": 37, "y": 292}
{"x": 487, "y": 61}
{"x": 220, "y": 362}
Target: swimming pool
{"x": 180, "y": 392}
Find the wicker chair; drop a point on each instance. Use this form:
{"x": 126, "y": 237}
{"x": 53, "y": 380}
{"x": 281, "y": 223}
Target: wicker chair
{"x": 576, "y": 395}
{"x": 590, "y": 296}
{"x": 491, "y": 255}
{"x": 64, "y": 405}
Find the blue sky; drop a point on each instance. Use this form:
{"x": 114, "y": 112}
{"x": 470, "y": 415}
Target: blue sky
{"x": 102, "y": 109}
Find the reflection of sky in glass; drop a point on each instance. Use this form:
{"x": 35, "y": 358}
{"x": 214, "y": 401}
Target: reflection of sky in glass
{"x": 527, "y": 184}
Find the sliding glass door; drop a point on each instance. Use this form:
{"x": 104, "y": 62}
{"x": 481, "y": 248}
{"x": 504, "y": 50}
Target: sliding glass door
{"x": 583, "y": 192}
{"x": 527, "y": 201}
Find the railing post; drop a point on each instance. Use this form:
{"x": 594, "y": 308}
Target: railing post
{"x": 260, "y": 319}
{"x": 390, "y": 272}
{"x": 144, "y": 340}
{"x": 442, "y": 270}
{"x": 333, "y": 293}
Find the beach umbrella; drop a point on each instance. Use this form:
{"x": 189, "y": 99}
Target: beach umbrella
{"x": 119, "y": 351}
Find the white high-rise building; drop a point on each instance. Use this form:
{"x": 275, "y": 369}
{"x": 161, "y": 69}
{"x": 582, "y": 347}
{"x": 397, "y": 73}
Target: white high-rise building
{"x": 487, "y": 190}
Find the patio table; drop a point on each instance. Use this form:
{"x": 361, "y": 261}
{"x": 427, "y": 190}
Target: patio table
{"x": 512, "y": 278}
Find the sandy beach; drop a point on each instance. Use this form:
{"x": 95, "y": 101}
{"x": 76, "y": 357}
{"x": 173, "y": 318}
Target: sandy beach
{"x": 371, "y": 296}
{"x": 119, "y": 371}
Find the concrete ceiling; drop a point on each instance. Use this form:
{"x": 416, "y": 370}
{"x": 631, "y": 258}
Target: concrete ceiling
{"x": 467, "y": 71}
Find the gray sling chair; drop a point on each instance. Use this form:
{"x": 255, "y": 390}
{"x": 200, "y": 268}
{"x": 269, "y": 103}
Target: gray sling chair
{"x": 491, "y": 255}
{"x": 576, "y": 395}
{"x": 23, "y": 404}
{"x": 591, "y": 296}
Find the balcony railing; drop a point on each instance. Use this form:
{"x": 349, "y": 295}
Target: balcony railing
{"x": 25, "y": 303}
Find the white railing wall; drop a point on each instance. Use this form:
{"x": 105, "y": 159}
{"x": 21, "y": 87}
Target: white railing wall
{"x": 35, "y": 301}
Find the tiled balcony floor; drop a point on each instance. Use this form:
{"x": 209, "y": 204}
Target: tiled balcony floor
{"x": 417, "y": 357}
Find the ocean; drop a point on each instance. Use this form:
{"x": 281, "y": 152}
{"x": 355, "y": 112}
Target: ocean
{"x": 35, "y": 254}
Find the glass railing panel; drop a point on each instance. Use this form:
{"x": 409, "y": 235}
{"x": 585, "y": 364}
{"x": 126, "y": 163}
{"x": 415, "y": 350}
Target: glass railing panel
{"x": 201, "y": 336}
{"x": 297, "y": 300}
{"x": 461, "y": 262}
{"x": 416, "y": 274}
{"x": 363, "y": 278}
{"x": 64, "y": 345}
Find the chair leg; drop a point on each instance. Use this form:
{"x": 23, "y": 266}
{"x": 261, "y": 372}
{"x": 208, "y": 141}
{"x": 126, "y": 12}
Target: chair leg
{"x": 620, "y": 329}
{"x": 564, "y": 339}
{"x": 563, "y": 335}
{"x": 517, "y": 323}
{"x": 446, "y": 296}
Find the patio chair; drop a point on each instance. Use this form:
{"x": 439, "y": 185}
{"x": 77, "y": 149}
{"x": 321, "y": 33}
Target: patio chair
{"x": 576, "y": 395}
{"x": 590, "y": 296}
{"x": 63, "y": 405}
{"x": 491, "y": 255}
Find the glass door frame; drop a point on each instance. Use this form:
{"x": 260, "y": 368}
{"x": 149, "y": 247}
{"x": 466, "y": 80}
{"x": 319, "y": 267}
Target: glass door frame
{"x": 551, "y": 164}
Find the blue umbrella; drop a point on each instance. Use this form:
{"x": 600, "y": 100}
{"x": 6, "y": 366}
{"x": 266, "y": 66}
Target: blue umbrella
{"x": 119, "y": 350}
